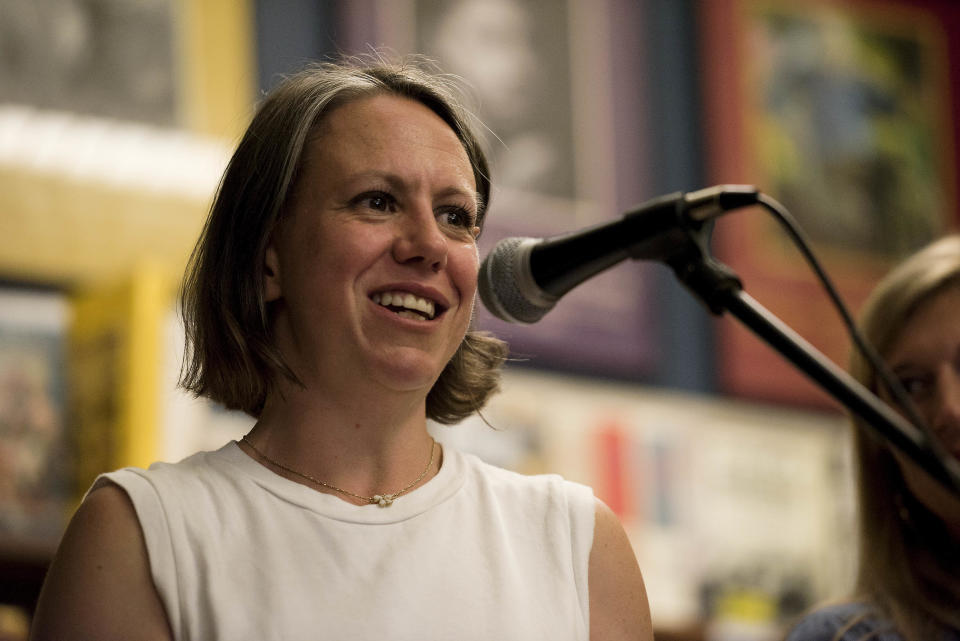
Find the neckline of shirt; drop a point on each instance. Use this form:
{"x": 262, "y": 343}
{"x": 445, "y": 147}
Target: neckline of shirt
{"x": 441, "y": 487}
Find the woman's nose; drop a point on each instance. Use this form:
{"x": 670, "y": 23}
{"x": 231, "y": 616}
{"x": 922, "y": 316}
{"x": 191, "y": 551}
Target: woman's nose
{"x": 420, "y": 240}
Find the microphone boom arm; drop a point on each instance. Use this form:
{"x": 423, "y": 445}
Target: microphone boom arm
{"x": 719, "y": 288}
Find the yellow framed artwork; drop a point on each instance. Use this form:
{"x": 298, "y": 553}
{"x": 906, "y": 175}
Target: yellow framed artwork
{"x": 116, "y": 120}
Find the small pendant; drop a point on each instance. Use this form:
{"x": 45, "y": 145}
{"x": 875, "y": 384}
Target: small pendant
{"x": 384, "y": 500}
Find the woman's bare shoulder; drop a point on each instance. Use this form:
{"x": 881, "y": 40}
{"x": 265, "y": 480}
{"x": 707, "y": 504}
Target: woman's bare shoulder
{"x": 618, "y": 598}
{"x": 99, "y": 585}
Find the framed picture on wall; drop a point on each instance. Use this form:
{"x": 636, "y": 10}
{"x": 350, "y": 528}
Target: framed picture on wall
{"x": 36, "y": 487}
{"x": 842, "y": 112}
{"x": 161, "y": 63}
{"x": 112, "y": 59}
{"x": 540, "y": 75}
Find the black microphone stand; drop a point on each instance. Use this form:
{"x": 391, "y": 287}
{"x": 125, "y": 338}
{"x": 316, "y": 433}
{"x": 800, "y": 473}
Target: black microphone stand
{"x": 719, "y": 288}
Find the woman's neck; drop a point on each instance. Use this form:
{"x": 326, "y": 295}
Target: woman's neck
{"x": 364, "y": 446}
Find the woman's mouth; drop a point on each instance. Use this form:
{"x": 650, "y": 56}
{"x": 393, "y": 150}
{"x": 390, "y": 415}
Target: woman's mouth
{"x": 407, "y": 305}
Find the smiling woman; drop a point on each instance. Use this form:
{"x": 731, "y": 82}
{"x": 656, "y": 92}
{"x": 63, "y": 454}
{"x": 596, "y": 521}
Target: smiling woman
{"x": 371, "y": 214}
{"x": 330, "y": 297}
{"x": 235, "y": 360}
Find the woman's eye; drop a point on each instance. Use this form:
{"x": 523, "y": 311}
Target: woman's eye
{"x": 377, "y": 201}
{"x": 915, "y": 386}
{"x": 457, "y": 217}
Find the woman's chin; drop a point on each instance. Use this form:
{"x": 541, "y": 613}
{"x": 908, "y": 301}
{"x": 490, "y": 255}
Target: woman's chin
{"x": 408, "y": 372}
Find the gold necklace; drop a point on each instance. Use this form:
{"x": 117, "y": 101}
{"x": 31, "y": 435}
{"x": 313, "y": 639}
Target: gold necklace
{"x": 383, "y": 500}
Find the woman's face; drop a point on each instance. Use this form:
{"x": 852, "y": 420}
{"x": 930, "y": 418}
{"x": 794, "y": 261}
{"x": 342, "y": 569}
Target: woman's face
{"x": 374, "y": 268}
{"x": 926, "y": 360}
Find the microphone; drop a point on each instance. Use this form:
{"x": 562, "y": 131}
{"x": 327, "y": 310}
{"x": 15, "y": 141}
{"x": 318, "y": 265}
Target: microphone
{"x": 521, "y": 279}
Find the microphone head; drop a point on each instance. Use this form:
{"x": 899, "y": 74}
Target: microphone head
{"x": 506, "y": 284}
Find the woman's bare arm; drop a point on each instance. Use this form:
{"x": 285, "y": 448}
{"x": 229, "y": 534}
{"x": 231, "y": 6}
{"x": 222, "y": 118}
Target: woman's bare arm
{"x": 99, "y": 585}
{"x": 618, "y": 598}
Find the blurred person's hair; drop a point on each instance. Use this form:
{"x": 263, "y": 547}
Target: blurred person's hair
{"x": 230, "y": 355}
{"x": 908, "y": 563}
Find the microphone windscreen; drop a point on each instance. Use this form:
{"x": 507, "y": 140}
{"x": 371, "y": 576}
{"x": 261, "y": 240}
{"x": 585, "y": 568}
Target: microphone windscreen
{"x": 506, "y": 284}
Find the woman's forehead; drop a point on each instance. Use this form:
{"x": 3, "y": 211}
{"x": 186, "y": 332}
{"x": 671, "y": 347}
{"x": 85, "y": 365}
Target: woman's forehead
{"x": 387, "y": 133}
{"x": 384, "y": 110}
{"x": 930, "y": 326}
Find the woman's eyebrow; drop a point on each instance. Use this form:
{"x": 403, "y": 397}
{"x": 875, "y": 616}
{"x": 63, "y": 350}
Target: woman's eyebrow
{"x": 904, "y": 366}
{"x": 398, "y": 182}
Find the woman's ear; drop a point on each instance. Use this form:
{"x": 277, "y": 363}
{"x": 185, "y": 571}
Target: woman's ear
{"x": 271, "y": 274}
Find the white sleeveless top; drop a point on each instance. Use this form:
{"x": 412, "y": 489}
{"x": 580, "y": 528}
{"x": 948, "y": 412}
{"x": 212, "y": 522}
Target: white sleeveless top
{"x": 238, "y": 552}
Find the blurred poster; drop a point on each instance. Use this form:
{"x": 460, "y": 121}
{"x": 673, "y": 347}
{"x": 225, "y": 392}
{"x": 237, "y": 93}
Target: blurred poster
{"x": 843, "y": 113}
{"x": 34, "y": 475}
{"x": 112, "y": 58}
{"x": 849, "y": 111}
{"x": 540, "y": 77}
{"x": 515, "y": 56}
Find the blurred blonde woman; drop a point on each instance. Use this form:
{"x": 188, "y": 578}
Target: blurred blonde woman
{"x": 908, "y": 582}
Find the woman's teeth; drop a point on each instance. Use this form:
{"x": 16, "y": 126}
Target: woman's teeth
{"x": 406, "y": 301}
